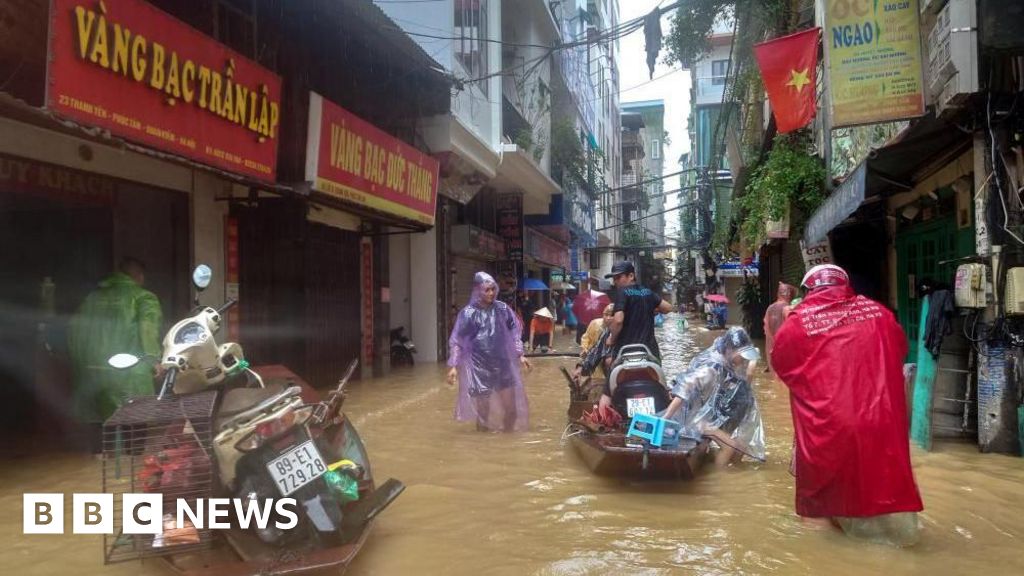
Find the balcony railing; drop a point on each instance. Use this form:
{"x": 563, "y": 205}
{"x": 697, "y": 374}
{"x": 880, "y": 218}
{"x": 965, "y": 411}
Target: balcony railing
{"x": 710, "y": 86}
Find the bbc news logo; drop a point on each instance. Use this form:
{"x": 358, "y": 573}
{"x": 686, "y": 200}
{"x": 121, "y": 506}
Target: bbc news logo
{"x": 144, "y": 513}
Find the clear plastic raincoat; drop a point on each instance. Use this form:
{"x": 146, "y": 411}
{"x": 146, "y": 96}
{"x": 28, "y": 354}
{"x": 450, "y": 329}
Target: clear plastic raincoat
{"x": 485, "y": 346}
{"x": 715, "y": 396}
{"x": 120, "y": 316}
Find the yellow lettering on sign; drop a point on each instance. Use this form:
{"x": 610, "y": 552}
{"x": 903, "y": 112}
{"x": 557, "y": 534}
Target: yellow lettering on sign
{"x": 241, "y": 99}
{"x": 346, "y": 150}
{"x": 396, "y": 173}
{"x": 188, "y": 76}
{"x": 215, "y": 88}
{"x": 112, "y": 46}
{"x": 138, "y": 58}
{"x": 173, "y": 86}
{"x": 156, "y": 74}
{"x": 85, "y": 19}
{"x": 204, "y": 84}
{"x": 98, "y": 54}
{"x": 122, "y": 40}
{"x": 227, "y": 109}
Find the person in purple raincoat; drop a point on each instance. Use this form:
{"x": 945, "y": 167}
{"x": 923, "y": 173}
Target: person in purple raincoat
{"x": 485, "y": 351}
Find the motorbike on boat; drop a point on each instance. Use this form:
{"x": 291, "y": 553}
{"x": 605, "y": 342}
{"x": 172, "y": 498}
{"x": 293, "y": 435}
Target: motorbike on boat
{"x": 637, "y": 385}
{"x": 220, "y": 428}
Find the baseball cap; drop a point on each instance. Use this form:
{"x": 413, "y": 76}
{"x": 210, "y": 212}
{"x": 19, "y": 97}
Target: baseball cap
{"x": 621, "y": 267}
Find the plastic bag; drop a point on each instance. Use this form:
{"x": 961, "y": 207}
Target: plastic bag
{"x": 343, "y": 485}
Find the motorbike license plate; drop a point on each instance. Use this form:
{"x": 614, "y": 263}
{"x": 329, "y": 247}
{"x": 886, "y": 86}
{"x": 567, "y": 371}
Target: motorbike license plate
{"x": 296, "y": 467}
{"x": 643, "y": 405}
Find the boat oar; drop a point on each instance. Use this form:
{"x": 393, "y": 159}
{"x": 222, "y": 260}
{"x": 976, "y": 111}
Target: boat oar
{"x": 574, "y": 388}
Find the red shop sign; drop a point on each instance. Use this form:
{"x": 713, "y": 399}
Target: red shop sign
{"x": 126, "y": 66}
{"x": 351, "y": 159}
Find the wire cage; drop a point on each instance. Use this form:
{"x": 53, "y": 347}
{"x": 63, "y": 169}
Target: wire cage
{"x": 164, "y": 447}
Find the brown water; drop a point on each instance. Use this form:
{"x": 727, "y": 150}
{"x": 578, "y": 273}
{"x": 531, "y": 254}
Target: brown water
{"x": 525, "y": 504}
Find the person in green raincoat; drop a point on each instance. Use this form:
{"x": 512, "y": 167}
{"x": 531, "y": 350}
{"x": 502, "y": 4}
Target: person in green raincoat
{"x": 119, "y": 316}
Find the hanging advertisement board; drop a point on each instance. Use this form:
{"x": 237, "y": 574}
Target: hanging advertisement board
{"x": 353, "y": 160}
{"x": 142, "y": 74}
{"x": 873, "y": 51}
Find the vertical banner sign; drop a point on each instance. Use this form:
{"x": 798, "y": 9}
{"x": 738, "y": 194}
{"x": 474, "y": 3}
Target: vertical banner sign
{"x": 140, "y": 73}
{"x": 510, "y": 223}
{"x": 367, "y": 295}
{"x": 873, "y": 50}
{"x": 233, "y": 267}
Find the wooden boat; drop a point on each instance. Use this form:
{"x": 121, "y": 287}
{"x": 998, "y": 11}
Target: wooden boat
{"x": 607, "y": 453}
{"x": 610, "y": 453}
{"x": 240, "y": 553}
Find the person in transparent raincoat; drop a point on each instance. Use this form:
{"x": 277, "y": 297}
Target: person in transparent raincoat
{"x": 713, "y": 398}
{"x": 485, "y": 351}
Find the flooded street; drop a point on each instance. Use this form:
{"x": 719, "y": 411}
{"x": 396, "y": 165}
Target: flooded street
{"x": 525, "y": 504}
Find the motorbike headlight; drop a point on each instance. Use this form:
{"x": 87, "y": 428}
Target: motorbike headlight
{"x": 191, "y": 333}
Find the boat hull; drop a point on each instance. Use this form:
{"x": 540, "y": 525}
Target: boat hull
{"x": 606, "y": 454}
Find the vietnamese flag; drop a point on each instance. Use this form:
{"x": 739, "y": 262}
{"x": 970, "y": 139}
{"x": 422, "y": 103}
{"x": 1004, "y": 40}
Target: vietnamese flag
{"x": 788, "y": 67}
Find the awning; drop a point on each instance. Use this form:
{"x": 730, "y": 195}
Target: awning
{"x": 892, "y": 166}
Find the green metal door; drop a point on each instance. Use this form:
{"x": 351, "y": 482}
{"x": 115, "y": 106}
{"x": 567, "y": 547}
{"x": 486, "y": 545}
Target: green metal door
{"x": 926, "y": 251}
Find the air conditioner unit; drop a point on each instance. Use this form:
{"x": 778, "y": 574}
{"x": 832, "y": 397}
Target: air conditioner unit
{"x": 953, "y": 55}
{"x": 970, "y": 288}
{"x": 1014, "y": 298}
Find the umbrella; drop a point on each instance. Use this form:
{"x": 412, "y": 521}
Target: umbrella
{"x": 532, "y": 284}
{"x": 716, "y": 298}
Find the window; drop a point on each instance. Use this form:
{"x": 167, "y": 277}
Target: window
{"x": 655, "y": 149}
{"x": 719, "y": 70}
{"x": 471, "y": 29}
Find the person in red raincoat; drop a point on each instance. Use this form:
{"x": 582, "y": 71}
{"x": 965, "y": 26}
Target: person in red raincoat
{"x": 841, "y": 356}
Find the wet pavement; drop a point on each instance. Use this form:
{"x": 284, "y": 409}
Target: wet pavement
{"x": 480, "y": 503}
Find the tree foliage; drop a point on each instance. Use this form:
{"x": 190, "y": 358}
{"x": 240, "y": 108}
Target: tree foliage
{"x": 690, "y": 35}
{"x": 788, "y": 175}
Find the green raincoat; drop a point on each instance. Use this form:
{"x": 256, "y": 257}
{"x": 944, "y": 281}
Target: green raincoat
{"x": 120, "y": 316}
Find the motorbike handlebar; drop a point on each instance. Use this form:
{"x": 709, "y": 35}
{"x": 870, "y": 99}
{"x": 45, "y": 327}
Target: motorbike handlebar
{"x": 227, "y": 306}
{"x": 168, "y": 386}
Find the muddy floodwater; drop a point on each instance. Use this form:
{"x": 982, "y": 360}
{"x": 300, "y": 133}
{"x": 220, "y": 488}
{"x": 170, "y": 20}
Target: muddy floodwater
{"x": 525, "y": 504}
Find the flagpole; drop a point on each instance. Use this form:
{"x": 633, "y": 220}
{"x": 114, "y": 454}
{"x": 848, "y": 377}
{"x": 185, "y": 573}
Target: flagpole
{"x": 826, "y": 100}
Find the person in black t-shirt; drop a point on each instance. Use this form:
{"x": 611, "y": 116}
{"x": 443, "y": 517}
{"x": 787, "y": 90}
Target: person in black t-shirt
{"x": 635, "y": 307}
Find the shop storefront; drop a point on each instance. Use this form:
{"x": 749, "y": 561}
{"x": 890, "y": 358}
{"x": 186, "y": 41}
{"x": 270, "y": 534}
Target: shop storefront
{"x": 98, "y": 164}
{"x": 363, "y": 183}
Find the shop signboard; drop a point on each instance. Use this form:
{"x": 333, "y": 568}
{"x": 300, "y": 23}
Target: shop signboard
{"x": 874, "y": 69}
{"x": 55, "y": 182}
{"x": 510, "y": 223}
{"x": 127, "y": 67}
{"x": 817, "y": 253}
{"x": 546, "y": 250}
{"x": 470, "y": 240}
{"x": 844, "y": 201}
{"x": 737, "y": 270}
{"x": 353, "y": 160}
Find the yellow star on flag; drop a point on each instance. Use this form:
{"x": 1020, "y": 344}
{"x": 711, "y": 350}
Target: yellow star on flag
{"x": 798, "y": 79}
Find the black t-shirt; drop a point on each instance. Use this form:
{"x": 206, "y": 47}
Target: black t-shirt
{"x": 639, "y": 305}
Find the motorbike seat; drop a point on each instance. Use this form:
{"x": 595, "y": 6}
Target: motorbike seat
{"x": 238, "y": 400}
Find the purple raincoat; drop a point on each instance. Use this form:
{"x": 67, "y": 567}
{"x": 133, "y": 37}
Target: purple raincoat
{"x": 485, "y": 347}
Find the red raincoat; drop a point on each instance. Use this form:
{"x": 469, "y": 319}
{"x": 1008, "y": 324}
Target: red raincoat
{"x": 841, "y": 355}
